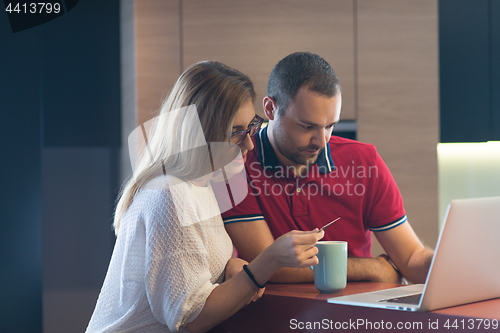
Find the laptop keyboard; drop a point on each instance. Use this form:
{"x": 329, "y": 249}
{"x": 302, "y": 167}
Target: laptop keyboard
{"x": 412, "y": 299}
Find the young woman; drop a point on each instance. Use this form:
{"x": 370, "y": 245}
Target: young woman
{"x": 172, "y": 267}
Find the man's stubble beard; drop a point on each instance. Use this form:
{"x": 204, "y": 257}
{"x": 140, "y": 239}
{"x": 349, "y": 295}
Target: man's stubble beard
{"x": 280, "y": 140}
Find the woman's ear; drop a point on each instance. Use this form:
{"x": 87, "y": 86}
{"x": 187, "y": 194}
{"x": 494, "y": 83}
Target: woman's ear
{"x": 270, "y": 108}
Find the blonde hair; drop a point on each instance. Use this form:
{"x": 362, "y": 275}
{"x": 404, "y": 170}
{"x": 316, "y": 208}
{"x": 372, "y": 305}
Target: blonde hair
{"x": 217, "y": 92}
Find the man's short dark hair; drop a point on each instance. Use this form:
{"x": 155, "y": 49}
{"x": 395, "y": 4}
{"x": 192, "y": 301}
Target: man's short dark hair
{"x": 297, "y": 70}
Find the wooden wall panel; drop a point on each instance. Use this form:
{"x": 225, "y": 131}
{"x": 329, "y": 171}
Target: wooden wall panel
{"x": 398, "y": 99}
{"x": 396, "y": 62}
{"x": 157, "y": 53}
{"x": 253, "y": 36}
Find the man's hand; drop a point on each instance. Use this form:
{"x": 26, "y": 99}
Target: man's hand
{"x": 233, "y": 267}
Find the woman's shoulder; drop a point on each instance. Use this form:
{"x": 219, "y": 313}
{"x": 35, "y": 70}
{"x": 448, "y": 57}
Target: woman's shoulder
{"x": 168, "y": 200}
{"x": 152, "y": 207}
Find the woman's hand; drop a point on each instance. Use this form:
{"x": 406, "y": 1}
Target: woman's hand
{"x": 296, "y": 248}
{"x": 233, "y": 267}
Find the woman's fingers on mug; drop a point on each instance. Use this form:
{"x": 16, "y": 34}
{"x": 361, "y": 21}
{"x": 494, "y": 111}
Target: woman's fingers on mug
{"x": 310, "y": 261}
{"x": 305, "y": 255}
{"x": 310, "y": 252}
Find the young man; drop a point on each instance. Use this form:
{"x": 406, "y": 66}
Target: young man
{"x": 302, "y": 177}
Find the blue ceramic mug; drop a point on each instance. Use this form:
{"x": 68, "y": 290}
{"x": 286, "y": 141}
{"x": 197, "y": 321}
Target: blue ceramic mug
{"x": 330, "y": 274}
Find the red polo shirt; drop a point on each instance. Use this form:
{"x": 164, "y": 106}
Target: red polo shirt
{"x": 349, "y": 180}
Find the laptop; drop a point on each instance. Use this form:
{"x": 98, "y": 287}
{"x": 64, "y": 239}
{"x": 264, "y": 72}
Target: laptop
{"x": 465, "y": 267}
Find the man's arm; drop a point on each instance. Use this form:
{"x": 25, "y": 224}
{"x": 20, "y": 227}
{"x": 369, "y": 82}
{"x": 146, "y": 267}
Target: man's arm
{"x": 406, "y": 251}
{"x": 251, "y": 238}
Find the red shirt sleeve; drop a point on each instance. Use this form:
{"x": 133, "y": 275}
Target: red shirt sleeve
{"x": 245, "y": 211}
{"x": 387, "y": 209}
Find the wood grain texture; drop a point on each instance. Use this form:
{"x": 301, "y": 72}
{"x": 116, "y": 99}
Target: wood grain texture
{"x": 397, "y": 64}
{"x": 252, "y": 36}
{"x": 398, "y": 99}
{"x": 157, "y": 53}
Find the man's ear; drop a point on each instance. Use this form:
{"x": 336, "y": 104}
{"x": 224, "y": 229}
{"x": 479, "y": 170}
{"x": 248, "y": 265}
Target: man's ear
{"x": 270, "y": 108}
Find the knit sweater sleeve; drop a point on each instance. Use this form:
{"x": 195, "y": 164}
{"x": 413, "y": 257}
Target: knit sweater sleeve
{"x": 177, "y": 262}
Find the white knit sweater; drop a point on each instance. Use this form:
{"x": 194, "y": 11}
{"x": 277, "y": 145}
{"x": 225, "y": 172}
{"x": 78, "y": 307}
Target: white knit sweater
{"x": 167, "y": 259}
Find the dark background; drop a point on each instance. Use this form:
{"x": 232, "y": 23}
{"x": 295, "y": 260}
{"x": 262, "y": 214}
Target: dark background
{"x": 60, "y": 139}
{"x": 469, "y": 62}
{"x": 60, "y": 134}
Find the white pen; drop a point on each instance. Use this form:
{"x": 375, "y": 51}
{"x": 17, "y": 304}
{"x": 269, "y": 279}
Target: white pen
{"x": 329, "y": 224}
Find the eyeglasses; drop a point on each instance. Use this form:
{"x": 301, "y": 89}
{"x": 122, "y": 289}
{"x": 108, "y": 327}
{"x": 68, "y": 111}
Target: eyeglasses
{"x": 237, "y": 137}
